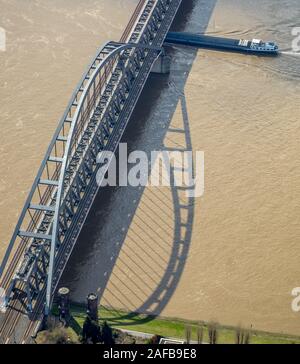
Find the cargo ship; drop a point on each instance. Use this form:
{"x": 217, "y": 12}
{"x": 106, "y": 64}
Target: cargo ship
{"x": 254, "y": 46}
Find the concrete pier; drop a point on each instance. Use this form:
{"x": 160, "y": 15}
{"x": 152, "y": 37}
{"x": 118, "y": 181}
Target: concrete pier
{"x": 64, "y": 302}
{"x": 92, "y": 306}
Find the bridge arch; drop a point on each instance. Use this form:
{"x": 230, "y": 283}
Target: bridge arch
{"x": 86, "y": 128}
{"x": 65, "y": 186}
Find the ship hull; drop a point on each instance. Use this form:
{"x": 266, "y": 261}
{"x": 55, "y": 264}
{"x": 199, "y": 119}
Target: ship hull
{"x": 215, "y": 43}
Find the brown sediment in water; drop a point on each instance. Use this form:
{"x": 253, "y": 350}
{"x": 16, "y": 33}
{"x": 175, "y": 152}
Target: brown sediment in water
{"x": 241, "y": 262}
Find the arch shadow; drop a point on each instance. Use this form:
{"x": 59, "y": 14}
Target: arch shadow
{"x": 148, "y": 279}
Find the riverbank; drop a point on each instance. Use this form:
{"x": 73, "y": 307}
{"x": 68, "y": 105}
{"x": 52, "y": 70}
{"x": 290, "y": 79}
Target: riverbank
{"x": 172, "y": 327}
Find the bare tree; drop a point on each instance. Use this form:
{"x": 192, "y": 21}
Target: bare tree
{"x": 213, "y": 333}
{"x": 242, "y": 336}
{"x": 247, "y": 338}
{"x": 200, "y": 334}
{"x": 238, "y": 333}
{"x": 188, "y": 334}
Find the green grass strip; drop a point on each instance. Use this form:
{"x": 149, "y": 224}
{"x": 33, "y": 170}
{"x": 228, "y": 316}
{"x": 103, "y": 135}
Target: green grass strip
{"x": 172, "y": 327}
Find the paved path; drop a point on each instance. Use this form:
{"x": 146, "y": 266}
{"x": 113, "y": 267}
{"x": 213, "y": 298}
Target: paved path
{"x": 144, "y": 335}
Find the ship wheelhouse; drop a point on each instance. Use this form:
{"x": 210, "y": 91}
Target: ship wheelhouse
{"x": 259, "y": 45}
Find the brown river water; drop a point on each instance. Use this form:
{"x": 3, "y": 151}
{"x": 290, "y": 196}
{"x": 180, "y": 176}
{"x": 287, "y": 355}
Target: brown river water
{"x": 231, "y": 255}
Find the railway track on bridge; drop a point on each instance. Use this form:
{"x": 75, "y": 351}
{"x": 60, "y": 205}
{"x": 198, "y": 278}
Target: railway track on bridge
{"x": 68, "y": 180}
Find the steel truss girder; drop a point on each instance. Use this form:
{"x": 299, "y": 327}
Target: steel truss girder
{"x": 94, "y": 120}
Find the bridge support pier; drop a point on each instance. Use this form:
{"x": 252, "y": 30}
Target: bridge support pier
{"x": 162, "y": 65}
{"x": 64, "y": 303}
{"x": 92, "y": 306}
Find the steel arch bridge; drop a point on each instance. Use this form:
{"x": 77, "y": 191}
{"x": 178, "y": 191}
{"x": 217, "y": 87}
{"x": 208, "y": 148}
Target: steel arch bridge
{"x": 65, "y": 186}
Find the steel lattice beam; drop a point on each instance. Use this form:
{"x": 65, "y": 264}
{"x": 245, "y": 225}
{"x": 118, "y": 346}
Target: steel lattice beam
{"x": 65, "y": 186}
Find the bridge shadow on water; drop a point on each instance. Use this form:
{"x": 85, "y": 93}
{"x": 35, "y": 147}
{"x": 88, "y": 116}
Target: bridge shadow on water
{"x": 134, "y": 245}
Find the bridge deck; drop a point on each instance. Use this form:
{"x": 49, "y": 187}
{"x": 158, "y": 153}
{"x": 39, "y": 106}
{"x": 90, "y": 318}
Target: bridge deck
{"x": 68, "y": 179}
